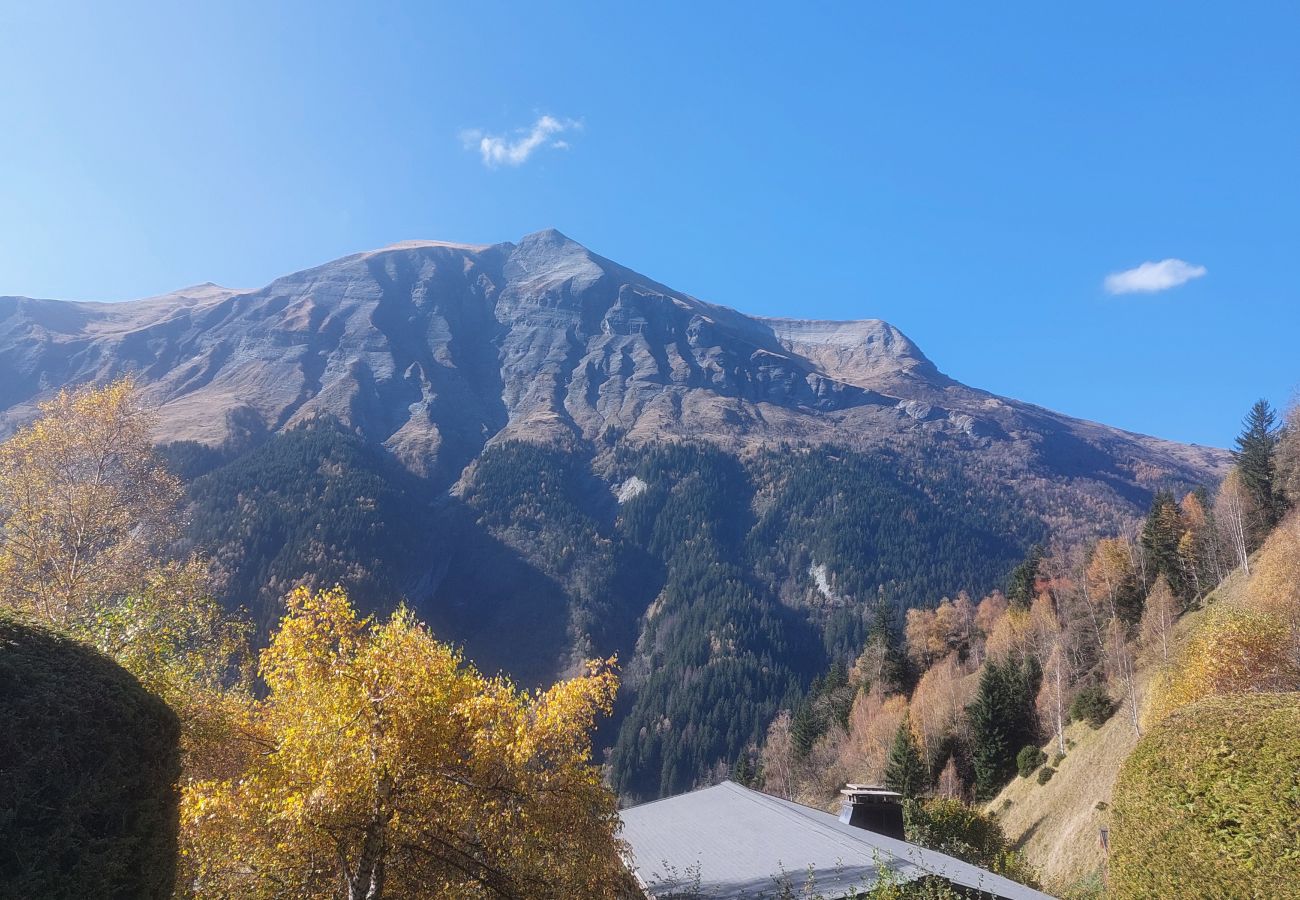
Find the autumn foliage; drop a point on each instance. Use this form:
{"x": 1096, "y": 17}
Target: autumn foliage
{"x": 88, "y": 516}
{"x": 386, "y": 766}
{"x": 378, "y": 764}
{"x": 85, "y": 503}
{"x": 1250, "y": 646}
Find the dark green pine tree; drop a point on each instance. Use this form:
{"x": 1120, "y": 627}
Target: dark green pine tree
{"x": 1002, "y": 721}
{"x": 905, "y": 771}
{"x": 1256, "y": 446}
{"x": 805, "y": 728}
{"x": 743, "y": 771}
{"x": 1160, "y": 537}
{"x": 1021, "y": 586}
{"x": 884, "y": 663}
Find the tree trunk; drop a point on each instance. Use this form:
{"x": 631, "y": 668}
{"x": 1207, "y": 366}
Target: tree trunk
{"x": 1060, "y": 706}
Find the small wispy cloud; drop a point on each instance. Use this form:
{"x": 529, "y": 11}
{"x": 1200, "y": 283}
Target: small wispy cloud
{"x": 502, "y": 150}
{"x": 1151, "y": 277}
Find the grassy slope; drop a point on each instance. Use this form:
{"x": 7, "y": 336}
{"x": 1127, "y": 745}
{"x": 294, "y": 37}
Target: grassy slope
{"x": 1057, "y": 824}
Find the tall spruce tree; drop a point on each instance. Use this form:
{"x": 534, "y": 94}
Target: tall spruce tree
{"x": 1002, "y": 721}
{"x": 1256, "y": 447}
{"x": 905, "y": 771}
{"x": 1022, "y": 585}
{"x": 1160, "y": 537}
{"x": 742, "y": 771}
{"x": 806, "y": 727}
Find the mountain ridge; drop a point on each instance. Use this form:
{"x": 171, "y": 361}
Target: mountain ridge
{"x": 582, "y": 344}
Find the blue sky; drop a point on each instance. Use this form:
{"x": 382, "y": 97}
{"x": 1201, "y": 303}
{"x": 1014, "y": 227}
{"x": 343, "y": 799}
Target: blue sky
{"x": 972, "y": 173}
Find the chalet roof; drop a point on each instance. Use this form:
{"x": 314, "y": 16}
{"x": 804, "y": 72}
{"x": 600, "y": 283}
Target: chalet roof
{"x": 739, "y": 842}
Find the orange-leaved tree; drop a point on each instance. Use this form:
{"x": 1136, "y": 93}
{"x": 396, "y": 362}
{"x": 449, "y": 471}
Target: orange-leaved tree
{"x": 389, "y": 767}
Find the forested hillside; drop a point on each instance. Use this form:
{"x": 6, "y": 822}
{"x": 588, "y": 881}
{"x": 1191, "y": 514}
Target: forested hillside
{"x": 1032, "y": 701}
{"x": 723, "y": 583}
{"x": 772, "y": 613}
{"x": 314, "y": 500}
{"x": 761, "y": 594}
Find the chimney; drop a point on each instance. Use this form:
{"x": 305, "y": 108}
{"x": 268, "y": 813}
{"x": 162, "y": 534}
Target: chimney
{"x": 873, "y": 808}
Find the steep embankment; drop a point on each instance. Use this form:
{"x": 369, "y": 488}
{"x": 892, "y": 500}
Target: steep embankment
{"x": 1058, "y": 825}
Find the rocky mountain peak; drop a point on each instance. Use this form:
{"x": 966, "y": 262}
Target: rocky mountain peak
{"x": 434, "y": 349}
{"x": 862, "y": 351}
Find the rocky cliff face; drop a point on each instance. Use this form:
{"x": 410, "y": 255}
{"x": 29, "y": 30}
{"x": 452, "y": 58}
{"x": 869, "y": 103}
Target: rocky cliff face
{"x": 434, "y": 349}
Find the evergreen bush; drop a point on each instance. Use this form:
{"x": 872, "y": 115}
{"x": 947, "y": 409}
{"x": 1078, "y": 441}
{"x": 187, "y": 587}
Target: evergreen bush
{"x": 1092, "y": 705}
{"x": 1029, "y": 759}
{"x": 88, "y": 767}
{"x": 950, "y": 826}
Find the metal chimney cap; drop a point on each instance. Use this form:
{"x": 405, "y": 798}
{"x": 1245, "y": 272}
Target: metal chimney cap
{"x": 863, "y": 790}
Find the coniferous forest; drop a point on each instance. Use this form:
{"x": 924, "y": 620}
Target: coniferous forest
{"x": 724, "y": 585}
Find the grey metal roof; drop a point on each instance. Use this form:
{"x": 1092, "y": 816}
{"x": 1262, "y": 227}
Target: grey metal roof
{"x": 739, "y": 842}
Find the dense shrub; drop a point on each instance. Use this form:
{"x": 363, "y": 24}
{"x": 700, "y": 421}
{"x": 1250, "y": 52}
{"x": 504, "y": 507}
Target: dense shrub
{"x": 1208, "y": 803}
{"x": 1092, "y": 705}
{"x": 1045, "y": 775}
{"x": 88, "y": 766}
{"x": 1029, "y": 759}
{"x": 952, "y": 827}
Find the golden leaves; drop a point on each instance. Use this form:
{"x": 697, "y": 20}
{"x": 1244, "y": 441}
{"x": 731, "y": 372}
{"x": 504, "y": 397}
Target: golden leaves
{"x": 87, "y": 511}
{"x": 1234, "y": 650}
{"x": 85, "y": 503}
{"x": 1251, "y": 645}
{"x": 381, "y": 740}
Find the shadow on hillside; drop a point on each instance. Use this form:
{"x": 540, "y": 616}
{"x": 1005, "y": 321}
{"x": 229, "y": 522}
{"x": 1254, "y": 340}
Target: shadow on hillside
{"x": 1029, "y": 832}
{"x": 506, "y": 614}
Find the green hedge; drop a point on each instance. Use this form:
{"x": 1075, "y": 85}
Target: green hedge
{"x": 88, "y": 767}
{"x": 1208, "y": 804}
{"x": 952, "y": 827}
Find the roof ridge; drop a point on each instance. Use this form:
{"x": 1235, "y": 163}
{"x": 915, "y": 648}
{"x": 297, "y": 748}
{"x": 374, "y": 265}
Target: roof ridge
{"x": 698, "y": 790}
{"x": 789, "y": 809}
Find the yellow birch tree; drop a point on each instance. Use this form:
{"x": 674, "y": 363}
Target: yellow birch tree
{"x": 86, "y": 506}
{"x": 387, "y": 767}
{"x": 88, "y": 513}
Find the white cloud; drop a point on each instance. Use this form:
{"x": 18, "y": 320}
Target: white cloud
{"x": 500, "y": 150}
{"x": 1153, "y": 276}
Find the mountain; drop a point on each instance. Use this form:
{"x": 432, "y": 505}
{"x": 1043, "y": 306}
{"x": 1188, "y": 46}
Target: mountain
{"x": 552, "y": 456}
{"x": 434, "y": 349}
